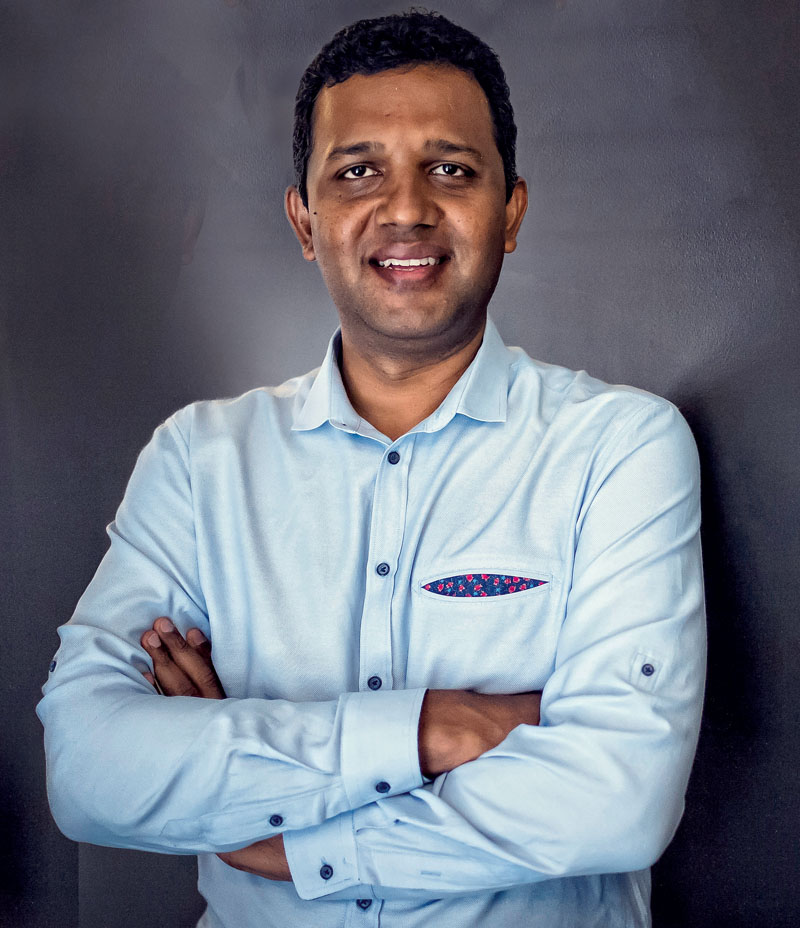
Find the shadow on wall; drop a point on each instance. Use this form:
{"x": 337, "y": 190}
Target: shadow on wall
{"x": 103, "y": 177}
{"x": 741, "y": 817}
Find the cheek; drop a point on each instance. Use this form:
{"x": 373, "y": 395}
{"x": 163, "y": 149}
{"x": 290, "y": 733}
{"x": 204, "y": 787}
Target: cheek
{"x": 335, "y": 237}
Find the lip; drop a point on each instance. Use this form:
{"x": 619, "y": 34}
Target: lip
{"x": 407, "y": 250}
{"x": 410, "y": 278}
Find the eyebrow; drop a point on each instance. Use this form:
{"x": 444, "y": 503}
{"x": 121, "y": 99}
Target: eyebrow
{"x": 452, "y": 148}
{"x": 359, "y": 148}
{"x": 443, "y": 146}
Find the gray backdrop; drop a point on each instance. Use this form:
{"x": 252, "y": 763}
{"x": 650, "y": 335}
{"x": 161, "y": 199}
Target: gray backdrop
{"x": 660, "y": 142}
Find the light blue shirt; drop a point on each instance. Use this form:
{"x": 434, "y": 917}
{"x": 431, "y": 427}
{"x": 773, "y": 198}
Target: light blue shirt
{"x": 284, "y": 526}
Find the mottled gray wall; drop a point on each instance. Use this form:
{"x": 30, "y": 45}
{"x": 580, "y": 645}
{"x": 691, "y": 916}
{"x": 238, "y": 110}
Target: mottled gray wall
{"x": 660, "y": 141}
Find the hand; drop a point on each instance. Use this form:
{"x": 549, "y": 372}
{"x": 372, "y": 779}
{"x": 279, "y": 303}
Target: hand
{"x": 264, "y": 858}
{"x": 183, "y": 667}
{"x": 457, "y": 726}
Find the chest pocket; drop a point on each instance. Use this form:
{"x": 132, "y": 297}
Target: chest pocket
{"x": 485, "y": 624}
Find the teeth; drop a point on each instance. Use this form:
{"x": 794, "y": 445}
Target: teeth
{"x": 408, "y": 262}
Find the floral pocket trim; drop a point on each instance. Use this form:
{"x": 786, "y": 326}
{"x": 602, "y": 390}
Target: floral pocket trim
{"x": 481, "y": 585}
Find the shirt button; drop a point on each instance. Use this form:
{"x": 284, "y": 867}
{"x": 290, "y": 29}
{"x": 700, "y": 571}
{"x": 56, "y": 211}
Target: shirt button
{"x": 648, "y": 670}
{"x": 382, "y": 787}
{"x": 382, "y": 569}
{"x": 393, "y": 457}
{"x": 374, "y": 683}
{"x": 275, "y": 820}
{"x": 363, "y": 903}
{"x": 52, "y": 666}
{"x": 326, "y": 871}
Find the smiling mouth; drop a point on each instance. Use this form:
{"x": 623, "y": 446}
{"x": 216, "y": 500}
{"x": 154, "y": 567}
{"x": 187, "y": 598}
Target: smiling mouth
{"x": 409, "y": 263}
{"x": 414, "y": 272}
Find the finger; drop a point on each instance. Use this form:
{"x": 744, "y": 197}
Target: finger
{"x": 172, "y": 680}
{"x": 193, "y": 661}
{"x": 199, "y": 643}
{"x": 152, "y": 681}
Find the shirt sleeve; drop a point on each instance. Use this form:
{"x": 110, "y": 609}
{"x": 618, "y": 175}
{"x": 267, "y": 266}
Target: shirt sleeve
{"x": 599, "y": 785}
{"x": 129, "y": 768}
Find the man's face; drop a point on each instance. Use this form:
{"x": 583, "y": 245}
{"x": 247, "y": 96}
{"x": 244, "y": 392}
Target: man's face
{"x": 407, "y": 214}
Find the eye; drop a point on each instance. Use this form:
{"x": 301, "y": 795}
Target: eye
{"x": 448, "y": 169}
{"x": 358, "y": 171}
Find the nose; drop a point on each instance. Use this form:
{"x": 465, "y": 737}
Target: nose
{"x": 407, "y": 203}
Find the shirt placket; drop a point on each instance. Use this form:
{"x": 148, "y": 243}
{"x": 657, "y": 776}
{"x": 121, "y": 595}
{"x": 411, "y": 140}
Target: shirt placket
{"x": 364, "y": 913}
{"x": 387, "y": 527}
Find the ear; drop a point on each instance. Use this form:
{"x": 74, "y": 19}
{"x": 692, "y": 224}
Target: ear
{"x": 515, "y": 212}
{"x": 298, "y": 215}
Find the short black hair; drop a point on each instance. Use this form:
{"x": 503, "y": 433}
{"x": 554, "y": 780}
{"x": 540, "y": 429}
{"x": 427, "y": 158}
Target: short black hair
{"x": 417, "y": 36}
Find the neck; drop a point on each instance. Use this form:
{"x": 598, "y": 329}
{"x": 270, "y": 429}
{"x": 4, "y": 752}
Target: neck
{"x": 394, "y": 394}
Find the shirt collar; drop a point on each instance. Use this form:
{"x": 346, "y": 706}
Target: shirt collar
{"x": 481, "y": 393}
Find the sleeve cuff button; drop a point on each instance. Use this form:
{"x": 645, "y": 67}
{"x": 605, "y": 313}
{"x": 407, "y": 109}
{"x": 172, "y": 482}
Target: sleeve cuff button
{"x": 326, "y": 871}
{"x": 382, "y": 787}
{"x": 275, "y": 820}
{"x": 648, "y": 670}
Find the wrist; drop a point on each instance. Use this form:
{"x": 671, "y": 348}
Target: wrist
{"x": 448, "y": 736}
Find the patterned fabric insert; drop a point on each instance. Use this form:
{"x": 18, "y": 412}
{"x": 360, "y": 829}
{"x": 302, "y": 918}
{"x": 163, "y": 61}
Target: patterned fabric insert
{"x": 481, "y": 585}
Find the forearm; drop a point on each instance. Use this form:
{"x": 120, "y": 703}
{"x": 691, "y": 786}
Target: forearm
{"x": 549, "y": 802}
{"x": 207, "y": 775}
{"x": 457, "y": 726}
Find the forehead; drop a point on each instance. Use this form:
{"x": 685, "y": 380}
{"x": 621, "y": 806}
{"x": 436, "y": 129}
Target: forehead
{"x": 424, "y": 101}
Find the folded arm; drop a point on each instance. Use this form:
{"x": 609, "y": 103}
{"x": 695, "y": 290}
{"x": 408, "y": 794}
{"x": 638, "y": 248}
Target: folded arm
{"x": 598, "y": 787}
{"x": 455, "y": 727}
{"x": 185, "y": 775}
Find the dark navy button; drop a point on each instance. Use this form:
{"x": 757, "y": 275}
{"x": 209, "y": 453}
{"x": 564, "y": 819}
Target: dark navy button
{"x": 53, "y": 665}
{"x": 382, "y": 787}
{"x": 275, "y": 820}
{"x": 383, "y": 568}
{"x": 326, "y": 871}
{"x": 374, "y": 683}
{"x": 363, "y": 903}
{"x": 648, "y": 670}
{"x": 393, "y": 457}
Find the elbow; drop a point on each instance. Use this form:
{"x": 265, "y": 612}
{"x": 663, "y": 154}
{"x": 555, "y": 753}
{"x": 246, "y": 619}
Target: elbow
{"x": 637, "y": 846}
{"x": 88, "y": 802}
{"x": 79, "y": 810}
{"x": 620, "y": 836}
{"x": 69, "y": 818}
{"x": 89, "y": 810}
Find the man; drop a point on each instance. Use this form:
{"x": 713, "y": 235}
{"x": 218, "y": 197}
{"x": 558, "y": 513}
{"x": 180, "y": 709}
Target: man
{"x": 402, "y": 561}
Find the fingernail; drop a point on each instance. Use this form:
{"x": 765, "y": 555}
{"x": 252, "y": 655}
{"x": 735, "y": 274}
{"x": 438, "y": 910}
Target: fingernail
{"x": 164, "y": 625}
{"x": 195, "y": 636}
{"x": 153, "y": 640}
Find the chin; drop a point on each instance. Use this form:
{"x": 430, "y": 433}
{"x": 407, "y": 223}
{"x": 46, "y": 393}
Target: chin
{"x": 437, "y": 329}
